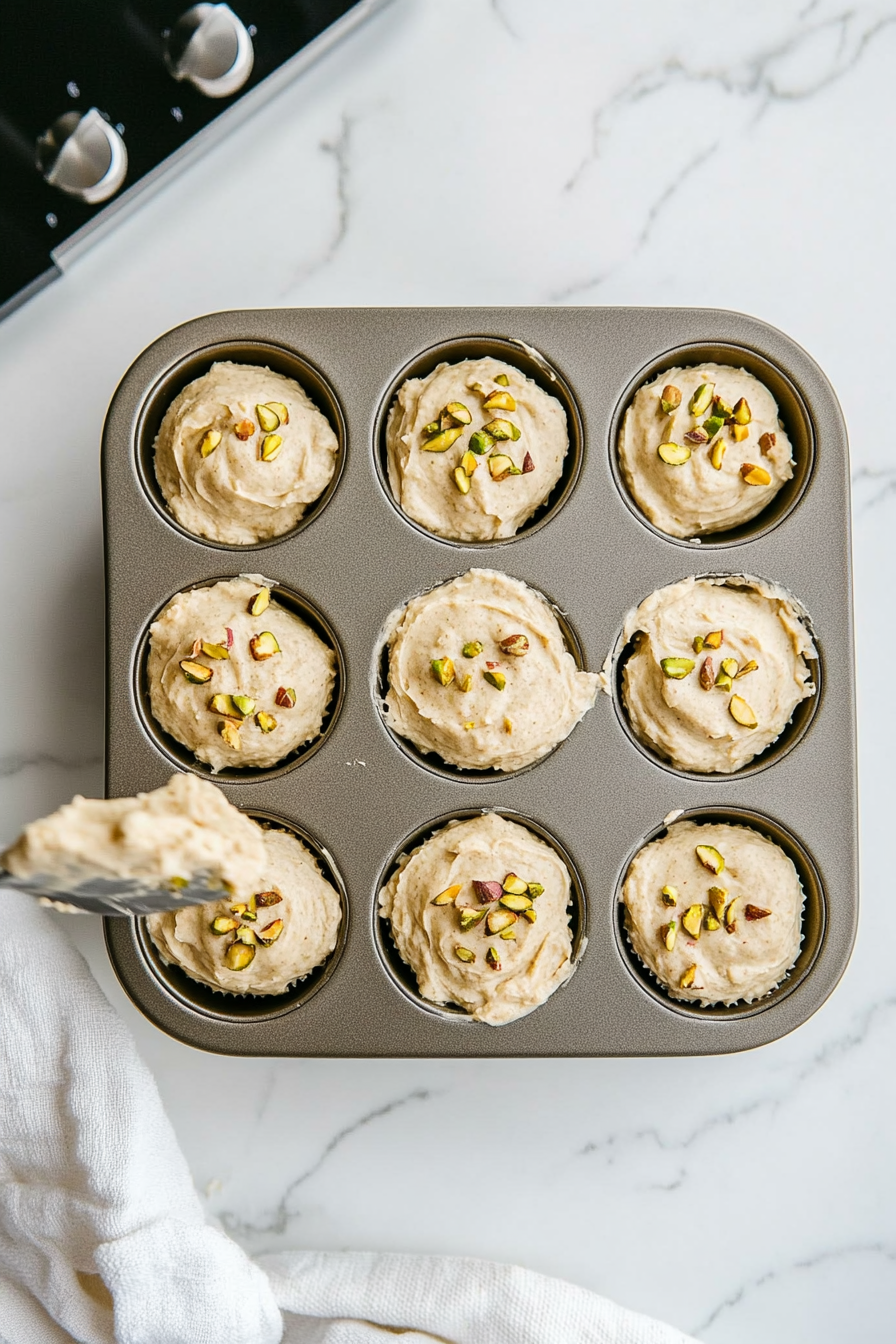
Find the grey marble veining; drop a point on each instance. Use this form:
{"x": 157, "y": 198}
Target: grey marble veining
{"x": 516, "y": 152}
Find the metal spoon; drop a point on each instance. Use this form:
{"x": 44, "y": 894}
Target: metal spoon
{"x": 116, "y": 895}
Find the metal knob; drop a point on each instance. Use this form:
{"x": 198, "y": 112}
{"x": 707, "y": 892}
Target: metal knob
{"x": 84, "y": 156}
{"x": 210, "y": 47}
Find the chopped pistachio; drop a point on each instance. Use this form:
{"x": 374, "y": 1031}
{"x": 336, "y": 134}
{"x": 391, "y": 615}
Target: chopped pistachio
{"x": 247, "y": 936}
{"x": 766, "y": 443}
{"x": 464, "y": 953}
{"x": 224, "y": 924}
{"x": 717, "y": 454}
{"x": 263, "y": 646}
{"x": 723, "y": 681}
{"x": 698, "y": 643}
{"x": 244, "y": 705}
{"x": 210, "y": 442}
{"x": 231, "y": 734}
{"x": 441, "y": 442}
{"x": 279, "y": 410}
{"x": 502, "y": 379}
{"x": 260, "y": 602}
{"x": 228, "y": 637}
{"x": 514, "y": 886}
{"x": 214, "y": 650}
{"x": 198, "y": 673}
{"x": 270, "y": 933}
{"x": 430, "y": 429}
{"x": 508, "y": 724}
{"x": 448, "y": 896}
{"x": 239, "y": 909}
{"x": 668, "y": 934}
{"x": 692, "y": 920}
{"x": 516, "y": 902}
{"x": 285, "y": 697}
{"x": 265, "y": 898}
{"x": 674, "y": 454}
{"x": 471, "y": 723}
{"x": 500, "y": 466}
{"x": 472, "y": 648}
{"x": 754, "y": 475}
{"x": 702, "y": 397}
{"x": 493, "y": 959}
{"x": 509, "y": 935}
{"x": 717, "y": 899}
{"x": 670, "y": 398}
{"x": 238, "y": 956}
{"x": 502, "y": 429}
{"x": 223, "y": 704}
{"x": 742, "y": 413}
{"x": 730, "y": 921}
{"x": 729, "y": 667}
{"x": 669, "y": 895}
{"x": 741, "y": 712}
{"x": 515, "y": 645}
{"x": 458, "y": 412}
{"x": 244, "y": 429}
{"x": 268, "y": 419}
{"x": 196, "y": 649}
{"x": 469, "y": 463}
{"x": 696, "y": 436}
{"x": 706, "y": 674}
{"x": 178, "y": 882}
{"x": 465, "y": 682}
{"x": 461, "y": 480}
{"x": 528, "y": 465}
{"x": 496, "y": 679}
{"x": 710, "y": 857}
{"x": 714, "y": 639}
{"x": 738, "y": 432}
{"x": 752, "y": 912}
{"x": 530, "y": 914}
{"x": 443, "y": 670}
{"x": 712, "y": 424}
{"x": 721, "y": 408}
{"x": 677, "y": 668}
{"x": 688, "y": 978}
{"x": 535, "y": 889}
{"x": 266, "y": 722}
{"x": 751, "y": 666}
{"x": 711, "y": 922}
{"x": 270, "y": 447}
{"x": 487, "y": 891}
{"x": 480, "y": 442}
{"x": 496, "y": 920}
{"x": 499, "y": 401}
{"x": 470, "y": 917}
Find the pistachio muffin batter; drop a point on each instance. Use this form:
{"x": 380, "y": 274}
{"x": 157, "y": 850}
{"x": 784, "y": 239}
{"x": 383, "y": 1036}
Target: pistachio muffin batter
{"x": 702, "y": 449}
{"x": 480, "y": 675}
{"x": 266, "y": 939}
{"x": 715, "y": 912}
{"x": 241, "y": 453}
{"x": 474, "y": 448}
{"x": 480, "y": 912}
{"x": 235, "y": 677}
{"x": 719, "y": 665}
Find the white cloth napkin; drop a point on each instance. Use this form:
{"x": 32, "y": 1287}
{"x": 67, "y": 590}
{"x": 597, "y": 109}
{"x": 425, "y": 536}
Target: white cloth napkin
{"x": 103, "y": 1239}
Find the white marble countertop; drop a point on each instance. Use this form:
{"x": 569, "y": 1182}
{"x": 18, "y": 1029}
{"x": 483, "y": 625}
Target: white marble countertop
{"x": 518, "y": 152}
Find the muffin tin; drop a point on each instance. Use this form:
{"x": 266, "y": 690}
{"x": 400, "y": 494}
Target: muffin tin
{"x": 359, "y": 798}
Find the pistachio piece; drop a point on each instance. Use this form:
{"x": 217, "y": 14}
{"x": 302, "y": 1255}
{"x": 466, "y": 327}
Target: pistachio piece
{"x": 508, "y": 724}
{"x": 696, "y": 436}
{"x": 668, "y": 934}
{"x": 502, "y": 379}
{"x": 496, "y": 679}
{"x": 729, "y": 667}
{"x": 266, "y": 722}
{"x": 508, "y": 934}
{"x": 178, "y": 882}
{"x": 717, "y": 454}
{"x": 210, "y": 442}
{"x": 516, "y": 902}
{"x": 496, "y": 920}
{"x": 472, "y": 649}
{"x": 430, "y": 429}
{"x": 502, "y": 429}
{"x": 711, "y": 922}
{"x": 535, "y": 889}
{"x": 443, "y": 670}
{"x": 223, "y": 704}
{"x": 465, "y": 682}
{"x": 270, "y": 933}
{"x": 730, "y": 921}
{"x": 244, "y": 705}
{"x": 260, "y": 602}
{"x": 247, "y": 936}
{"x": 263, "y": 646}
{"x": 739, "y": 433}
{"x": 250, "y": 915}
{"x": 742, "y": 413}
{"x": 674, "y": 454}
{"x": 754, "y": 475}
{"x": 285, "y": 697}
{"x": 766, "y": 443}
{"x": 528, "y": 465}
{"x": 265, "y": 898}
{"x": 688, "y": 978}
{"x": 481, "y": 442}
{"x": 224, "y": 924}
{"x": 710, "y": 857}
{"x": 516, "y": 645}
{"x": 471, "y": 723}
{"x": 721, "y": 408}
{"x": 717, "y": 898}
{"x": 706, "y": 674}
{"x": 448, "y": 896}
{"x": 239, "y": 909}
{"x": 464, "y": 954}
{"x": 279, "y": 410}
{"x": 493, "y": 959}
{"x": 752, "y": 912}
{"x": 712, "y": 424}
{"x": 723, "y": 681}
{"x": 751, "y": 666}
{"x": 441, "y": 442}
{"x": 268, "y": 419}
{"x": 198, "y": 673}
{"x": 488, "y": 891}
{"x": 499, "y": 401}
{"x": 670, "y": 398}
{"x": 669, "y": 895}
{"x": 470, "y": 917}
{"x": 702, "y": 397}
{"x": 458, "y": 412}
{"x": 214, "y": 650}
{"x": 698, "y": 643}
{"x": 500, "y": 466}
{"x": 469, "y": 463}
{"x": 270, "y": 447}
{"x": 228, "y": 637}
{"x": 514, "y": 886}
{"x": 238, "y": 956}
{"x": 692, "y": 920}
{"x": 741, "y": 712}
{"x": 231, "y": 734}
{"x": 196, "y": 649}
{"x": 714, "y": 639}
{"x": 530, "y": 914}
{"x": 461, "y": 480}
{"x": 244, "y": 429}
{"x": 677, "y": 668}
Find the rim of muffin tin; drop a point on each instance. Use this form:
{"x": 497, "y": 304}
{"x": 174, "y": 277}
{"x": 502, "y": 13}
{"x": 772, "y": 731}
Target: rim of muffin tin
{"x": 400, "y": 973}
{"x": 814, "y": 915}
{"x": 790, "y": 736}
{"x": 279, "y": 358}
{"x": 430, "y": 760}
{"x": 224, "y": 1005}
{"x": 528, "y": 361}
{"x": 792, "y": 410}
{"x": 181, "y": 756}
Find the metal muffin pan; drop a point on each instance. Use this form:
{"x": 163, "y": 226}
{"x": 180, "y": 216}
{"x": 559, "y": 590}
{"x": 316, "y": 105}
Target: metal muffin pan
{"x": 362, "y": 798}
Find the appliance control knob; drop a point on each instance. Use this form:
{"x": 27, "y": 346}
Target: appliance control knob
{"x": 210, "y": 47}
{"x": 84, "y": 156}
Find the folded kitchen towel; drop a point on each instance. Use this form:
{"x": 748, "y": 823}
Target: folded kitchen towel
{"x": 103, "y": 1238}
